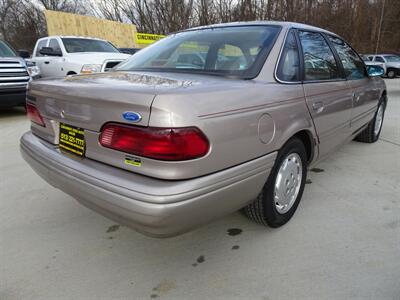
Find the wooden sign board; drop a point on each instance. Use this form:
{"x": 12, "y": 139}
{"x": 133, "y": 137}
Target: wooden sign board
{"x": 119, "y": 34}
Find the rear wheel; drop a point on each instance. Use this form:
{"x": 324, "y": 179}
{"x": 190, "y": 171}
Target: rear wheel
{"x": 391, "y": 73}
{"x": 281, "y": 194}
{"x": 373, "y": 131}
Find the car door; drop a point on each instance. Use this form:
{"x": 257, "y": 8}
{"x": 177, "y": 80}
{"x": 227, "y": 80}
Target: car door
{"x": 38, "y": 58}
{"x": 328, "y": 95}
{"x": 55, "y": 63}
{"x": 365, "y": 93}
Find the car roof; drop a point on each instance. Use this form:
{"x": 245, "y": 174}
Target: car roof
{"x": 276, "y": 23}
{"x": 73, "y": 37}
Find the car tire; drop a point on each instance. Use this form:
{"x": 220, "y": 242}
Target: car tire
{"x": 269, "y": 208}
{"x": 391, "y": 73}
{"x": 372, "y": 132}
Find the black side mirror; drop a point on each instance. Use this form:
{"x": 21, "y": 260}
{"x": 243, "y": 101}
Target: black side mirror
{"x": 50, "y": 51}
{"x": 24, "y": 54}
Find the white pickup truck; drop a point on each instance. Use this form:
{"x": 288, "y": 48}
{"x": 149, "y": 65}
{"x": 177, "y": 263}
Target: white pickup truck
{"x": 68, "y": 55}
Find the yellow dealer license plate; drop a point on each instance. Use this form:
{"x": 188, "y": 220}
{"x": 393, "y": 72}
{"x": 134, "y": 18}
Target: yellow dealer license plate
{"x": 72, "y": 139}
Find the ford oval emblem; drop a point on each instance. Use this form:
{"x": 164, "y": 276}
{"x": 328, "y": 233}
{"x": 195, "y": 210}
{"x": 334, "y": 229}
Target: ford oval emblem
{"x": 132, "y": 116}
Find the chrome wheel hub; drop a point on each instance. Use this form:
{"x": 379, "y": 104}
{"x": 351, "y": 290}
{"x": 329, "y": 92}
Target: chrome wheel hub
{"x": 378, "y": 120}
{"x": 288, "y": 182}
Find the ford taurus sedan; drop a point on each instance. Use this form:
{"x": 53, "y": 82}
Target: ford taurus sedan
{"x": 203, "y": 123}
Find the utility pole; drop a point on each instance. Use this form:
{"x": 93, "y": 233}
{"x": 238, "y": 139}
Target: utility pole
{"x": 380, "y": 27}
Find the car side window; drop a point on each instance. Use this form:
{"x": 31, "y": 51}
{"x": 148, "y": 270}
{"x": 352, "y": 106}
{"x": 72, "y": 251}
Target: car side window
{"x": 55, "y": 45}
{"x": 380, "y": 59}
{"x": 289, "y": 64}
{"x": 371, "y": 58}
{"x": 41, "y": 44}
{"x": 319, "y": 61}
{"x": 352, "y": 64}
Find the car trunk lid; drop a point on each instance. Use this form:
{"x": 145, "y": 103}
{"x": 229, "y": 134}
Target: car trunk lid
{"x": 90, "y": 101}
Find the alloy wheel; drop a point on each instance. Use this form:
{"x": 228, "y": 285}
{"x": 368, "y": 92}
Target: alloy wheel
{"x": 288, "y": 183}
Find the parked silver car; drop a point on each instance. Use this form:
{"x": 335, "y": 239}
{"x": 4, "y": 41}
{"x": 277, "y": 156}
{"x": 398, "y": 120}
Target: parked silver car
{"x": 368, "y": 62}
{"x": 164, "y": 144}
{"x": 391, "y": 62}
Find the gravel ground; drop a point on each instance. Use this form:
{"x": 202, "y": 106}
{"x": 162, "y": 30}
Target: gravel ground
{"x": 342, "y": 243}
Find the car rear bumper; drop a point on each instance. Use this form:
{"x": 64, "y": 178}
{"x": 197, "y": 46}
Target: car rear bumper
{"x": 155, "y": 207}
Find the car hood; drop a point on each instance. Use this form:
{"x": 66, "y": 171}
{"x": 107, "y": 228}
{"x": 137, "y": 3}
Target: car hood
{"x": 394, "y": 64}
{"x": 97, "y": 57}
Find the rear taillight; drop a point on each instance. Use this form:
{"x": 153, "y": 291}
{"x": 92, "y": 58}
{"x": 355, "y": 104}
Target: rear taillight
{"x": 171, "y": 144}
{"x": 34, "y": 115}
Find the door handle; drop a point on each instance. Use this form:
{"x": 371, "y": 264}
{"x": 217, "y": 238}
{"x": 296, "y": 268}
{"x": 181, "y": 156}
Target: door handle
{"x": 318, "y": 106}
{"x": 46, "y": 62}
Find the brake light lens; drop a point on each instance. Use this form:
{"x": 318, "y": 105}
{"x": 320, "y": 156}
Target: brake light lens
{"x": 171, "y": 144}
{"x": 34, "y": 115}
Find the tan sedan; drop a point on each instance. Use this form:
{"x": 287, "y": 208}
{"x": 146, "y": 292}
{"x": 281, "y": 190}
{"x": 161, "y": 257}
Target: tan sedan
{"x": 203, "y": 123}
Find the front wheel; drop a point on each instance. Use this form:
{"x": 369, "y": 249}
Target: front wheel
{"x": 281, "y": 194}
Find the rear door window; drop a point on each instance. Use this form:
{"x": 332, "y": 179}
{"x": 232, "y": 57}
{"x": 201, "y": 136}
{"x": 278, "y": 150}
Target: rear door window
{"x": 380, "y": 59}
{"x": 289, "y": 64}
{"x": 319, "y": 61}
{"x": 352, "y": 64}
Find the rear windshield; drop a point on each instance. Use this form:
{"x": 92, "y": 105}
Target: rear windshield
{"x": 74, "y": 45}
{"x": 228, "y": 51}
{"x": 6, "y": 51}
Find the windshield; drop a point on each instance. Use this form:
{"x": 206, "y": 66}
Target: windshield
{"x": 74, "y": 45}
{"x": 392, "y": 58}
{"x": 6, "y": 51}
{"x": 233, "y": 51}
